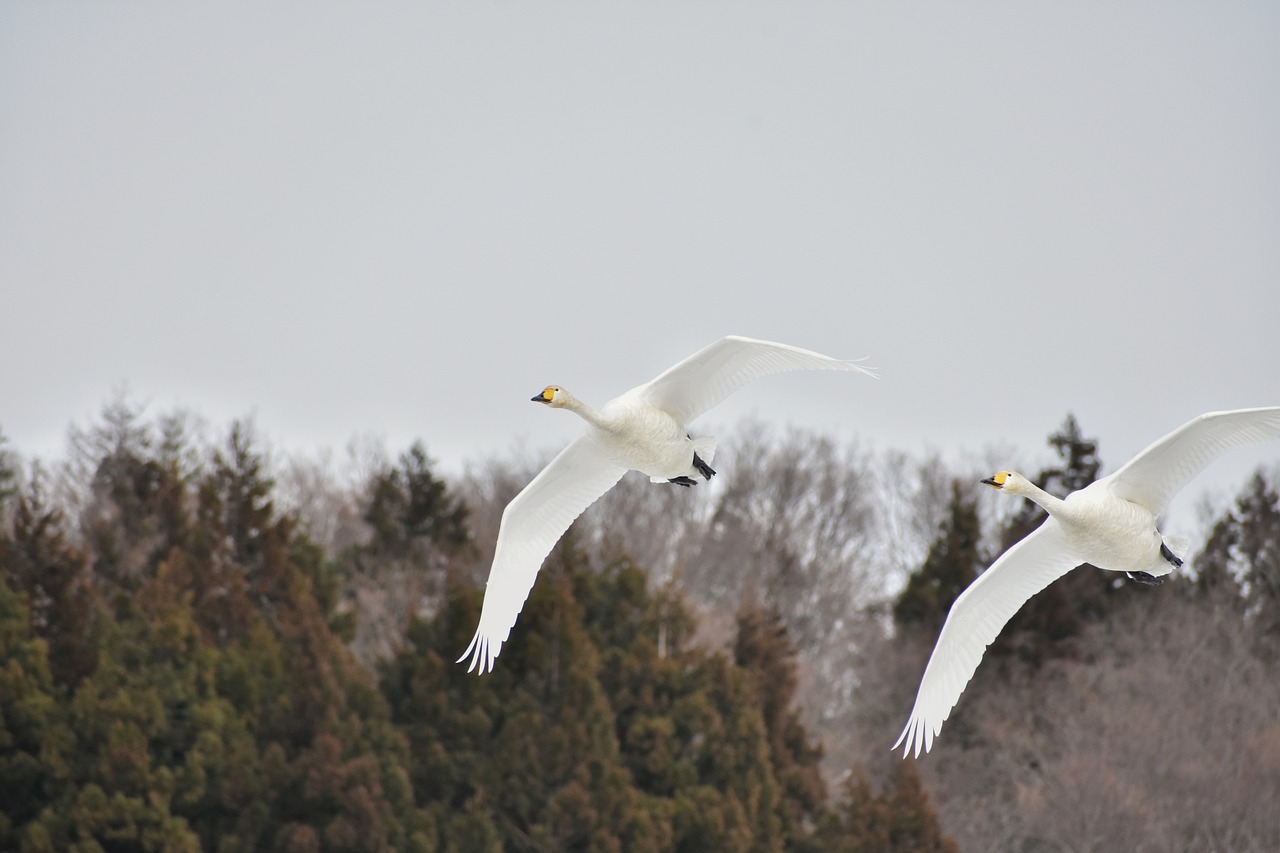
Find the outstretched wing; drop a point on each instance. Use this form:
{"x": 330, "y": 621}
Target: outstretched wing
{"x": 531, "y": 525}
{"x": 707, "y": 377}
{"x": 1155, "y": 475}
{"x": 975, "y": 620}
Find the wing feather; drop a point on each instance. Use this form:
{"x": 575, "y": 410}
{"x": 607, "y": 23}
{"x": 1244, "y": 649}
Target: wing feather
{"x": 1155, "y": 475}
{"x": 531, "y": 525}
{"x": 707, "y": 377}
{"x": 973, "y": 623}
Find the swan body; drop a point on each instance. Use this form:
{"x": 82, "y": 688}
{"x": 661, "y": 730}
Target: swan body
{"x": 637, "y": 435}
{"x": 645, "y": 430}
{"x": 1111, "y": 524}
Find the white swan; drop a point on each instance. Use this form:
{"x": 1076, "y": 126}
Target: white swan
{"x": 1111, "y": 524}
{"x": 644, "y": 429}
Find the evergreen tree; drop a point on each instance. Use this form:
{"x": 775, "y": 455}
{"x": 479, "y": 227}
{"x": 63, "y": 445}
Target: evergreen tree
{"x": 954, "y": 561}
{"x": 899, "y": 819}
{"x": 218, "y": 709}
{"x": 764, "y": 650}
{"x": 1216, "y": 577}
{"x": 8, "y": 474}
{"x": 417, "y": 527}
{"x": 409, "y": 503}
{"x": 338, "y": 765}
{"x": 1242, "y": 554}
{"x": 34, "y": 738}
{"x": 526, "y": 756}
{"x": 119, "y": 519}
{"x": 38, "y": 560}
{"x": 1258, "y": 548}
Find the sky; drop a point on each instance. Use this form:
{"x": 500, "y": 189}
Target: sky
{"x": 402, "y": 220}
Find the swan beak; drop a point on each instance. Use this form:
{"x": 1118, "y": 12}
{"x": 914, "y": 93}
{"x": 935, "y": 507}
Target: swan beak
{"x": 539, "y": 399}
{"x": 991, "y": 481}
{"x": 546, "y": 395}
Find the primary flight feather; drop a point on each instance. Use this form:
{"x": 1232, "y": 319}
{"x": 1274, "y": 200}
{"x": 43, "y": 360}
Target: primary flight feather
{"x": 645, "y": 429}
{"x": 1111, "y": 524}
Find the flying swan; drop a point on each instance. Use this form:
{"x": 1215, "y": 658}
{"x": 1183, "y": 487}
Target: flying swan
{"x": 644, "y": 429}
{"x": 1111, "y": 524}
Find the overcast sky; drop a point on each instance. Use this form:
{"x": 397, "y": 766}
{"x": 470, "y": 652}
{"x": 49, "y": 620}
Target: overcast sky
{"x": 406, "y": 219}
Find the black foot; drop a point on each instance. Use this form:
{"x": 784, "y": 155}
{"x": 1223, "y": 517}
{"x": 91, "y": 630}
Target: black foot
{"x": 1170, "y": 556}
{"x": 703, "y": 468}
{"x": 683, "y": 481}
{"x": 1144, "y": 578}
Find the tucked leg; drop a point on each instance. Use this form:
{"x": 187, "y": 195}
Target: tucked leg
{"x": 1144, "y": 578}
{"x": 1170, "y": 556}
{"x": 702, "y": 467}
{"x": 683, "y": 481}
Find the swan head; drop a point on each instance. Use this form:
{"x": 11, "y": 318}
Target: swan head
{"x": 1009, "y": 481}
{"x": 553, "y": 396}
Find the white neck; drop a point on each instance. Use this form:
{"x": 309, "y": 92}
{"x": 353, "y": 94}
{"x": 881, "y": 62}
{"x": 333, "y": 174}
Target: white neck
{"x": 1046, "y": 501}
{"x": 581, "y": 409}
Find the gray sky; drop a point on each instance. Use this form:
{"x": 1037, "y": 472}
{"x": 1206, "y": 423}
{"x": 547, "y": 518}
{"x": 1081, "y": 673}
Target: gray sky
{"x": 405, "y": 219}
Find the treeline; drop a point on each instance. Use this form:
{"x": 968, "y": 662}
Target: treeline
{"x": 201, "y": 649}
{"x": 207, "y": 646}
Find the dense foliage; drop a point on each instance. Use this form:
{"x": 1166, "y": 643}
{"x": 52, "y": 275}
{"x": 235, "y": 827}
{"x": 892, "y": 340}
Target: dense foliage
{"x": 204, "y": 648}
{"x": 178, "y": 674}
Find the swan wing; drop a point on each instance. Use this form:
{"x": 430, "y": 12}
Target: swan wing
{"x": 531, "y": 525}
{"x": 707, "y": 377}
{"x": 1155, "y": 475}
{"x": 975, "y": 620}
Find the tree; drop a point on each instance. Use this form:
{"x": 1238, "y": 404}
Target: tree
{"x": 1243, "y": 554}
{"x": 220, "y": 710}
{"x": 899, "y": 819}
{"x": 52, "y": 574}
{"x": 526, "y": 756}
{"x": 409, "y": 503}
{"x": 764, "y": 650}
{"x": 418, "y": 525}
{"x": 34, "y": 738}
{"x": 8, "y": 473}
{"x": 954, "y": 562}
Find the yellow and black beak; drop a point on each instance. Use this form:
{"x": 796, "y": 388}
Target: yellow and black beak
{"x": 996, "y": 480}
{"x": 543, "y": 397}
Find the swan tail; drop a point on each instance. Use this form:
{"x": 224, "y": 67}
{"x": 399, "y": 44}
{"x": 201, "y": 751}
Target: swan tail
{"x": 705, "y": 447}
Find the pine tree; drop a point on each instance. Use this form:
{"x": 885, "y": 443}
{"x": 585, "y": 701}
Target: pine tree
{"x": 38, "y": 560}
{"x": 222, "y": 712}
{"x": 1216, "y": 577}
{"x": 1243, "y": 555}
{"x": 430, "y": 512}
{"x": 899, "y": 819}
{"x": 764, "y": 650}
{"x": 34, "y": 737}
{"x": 8, "y": 474}
{"x": 526, "y": 756}
{"x": 418, "y": 525}
{"x": 954, "y": 561}
{"x": 117, "y": 519}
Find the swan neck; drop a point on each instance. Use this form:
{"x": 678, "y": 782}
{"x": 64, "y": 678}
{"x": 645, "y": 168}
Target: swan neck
{"x": 584, "y": 411}
{"x": 1046, "y": 501}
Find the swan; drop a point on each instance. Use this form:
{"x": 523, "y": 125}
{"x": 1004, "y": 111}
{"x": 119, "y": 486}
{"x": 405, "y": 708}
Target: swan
{"x": 645, "y": 430}
{"x": 1111, "y": 524}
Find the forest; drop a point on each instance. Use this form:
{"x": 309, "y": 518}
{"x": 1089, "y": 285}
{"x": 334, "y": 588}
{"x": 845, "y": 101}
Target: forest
{"x": 210, "y": 644}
